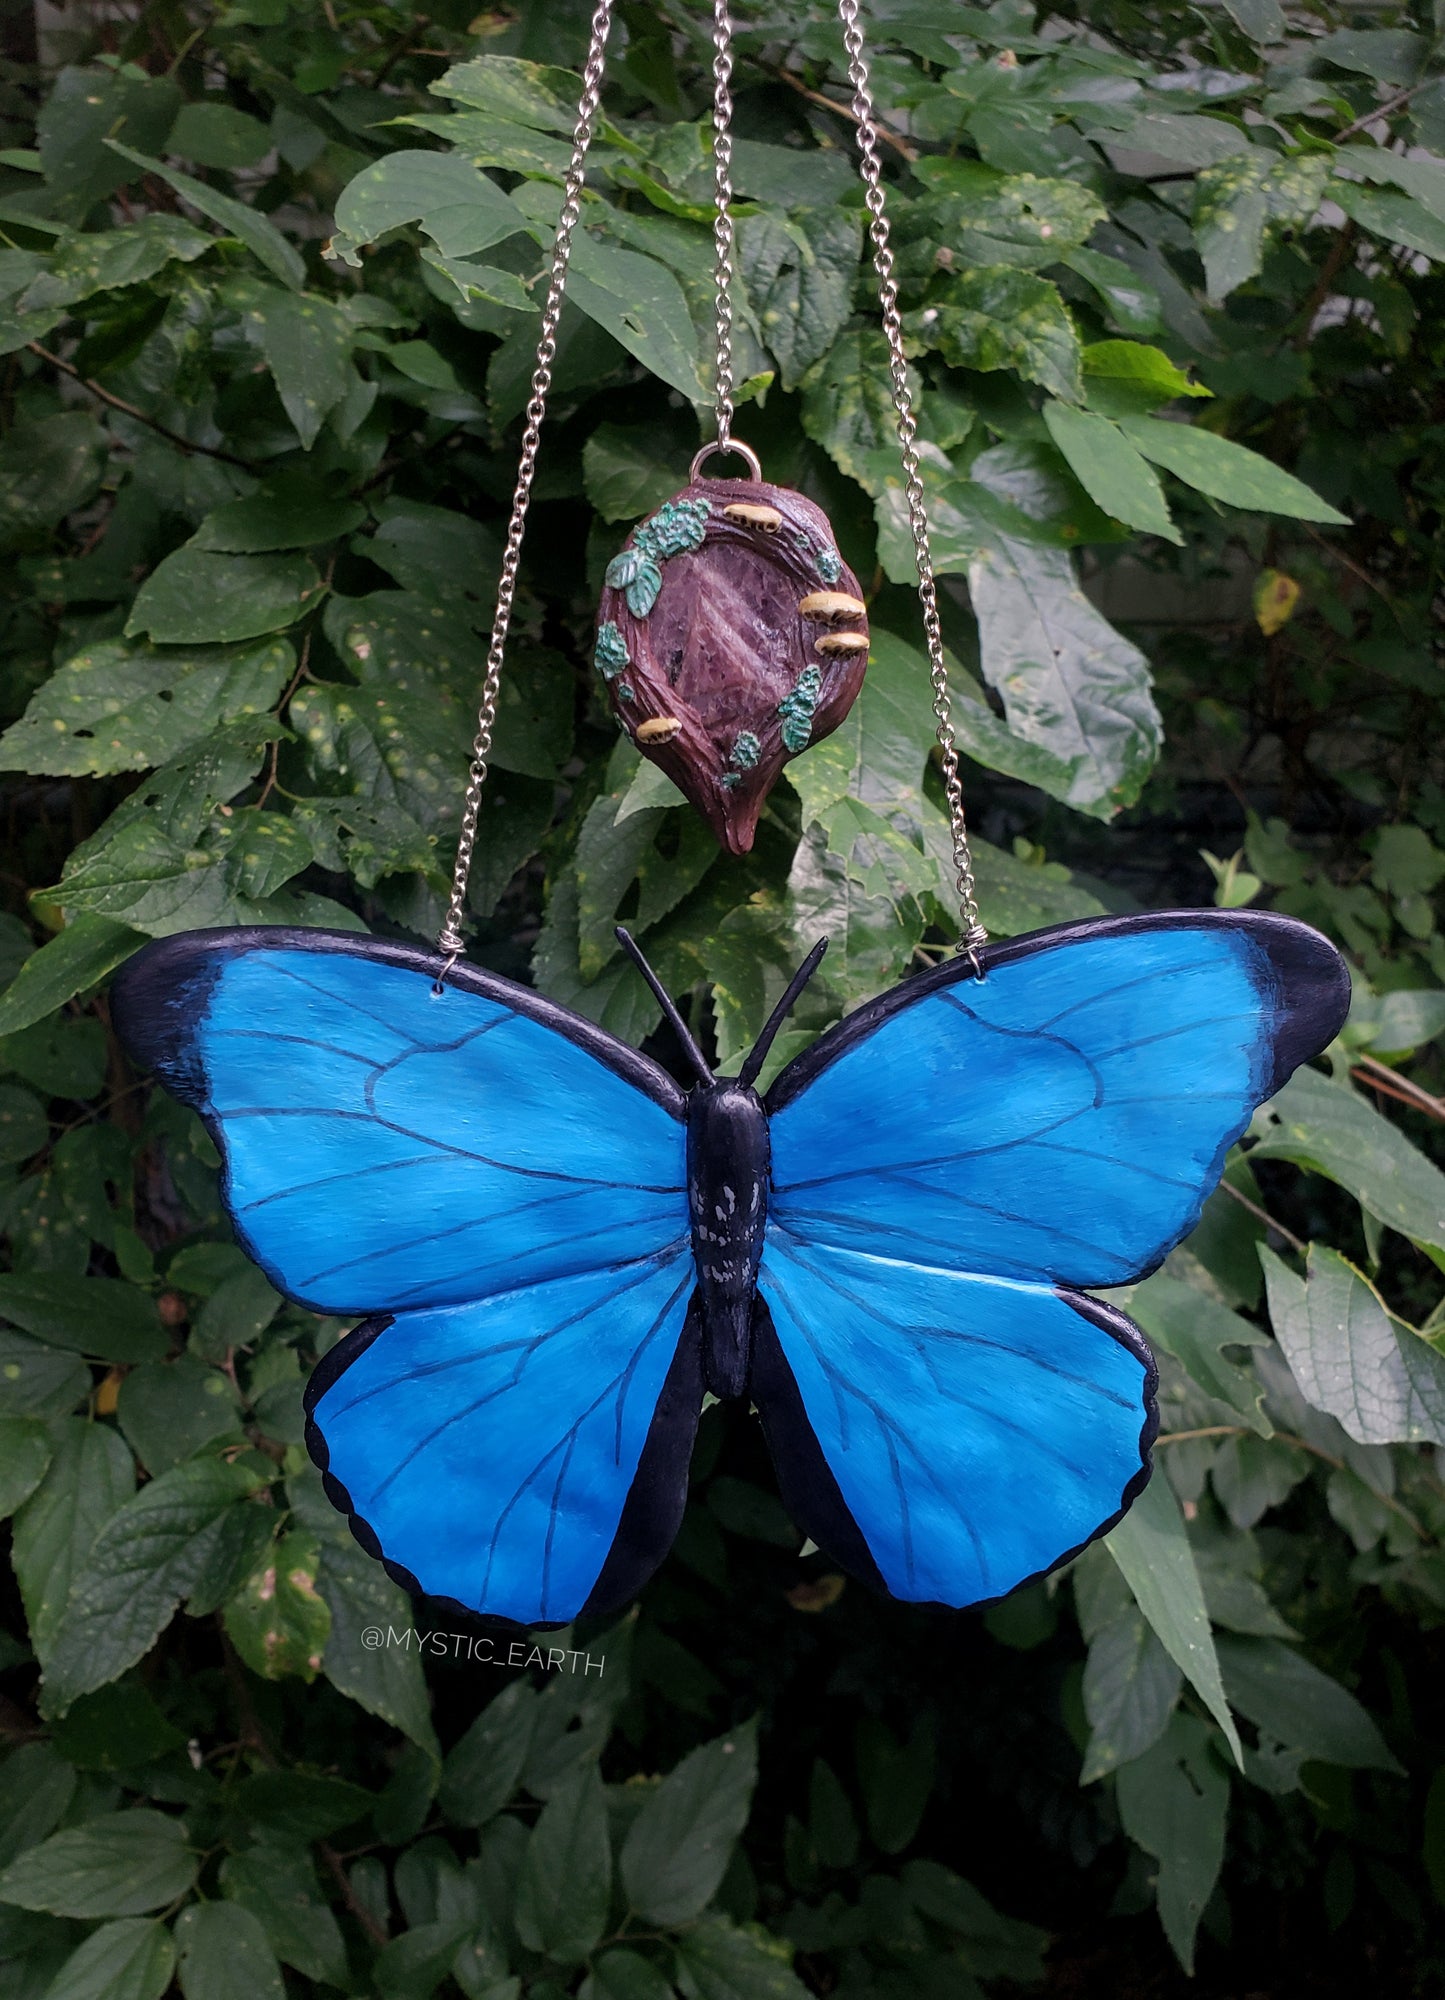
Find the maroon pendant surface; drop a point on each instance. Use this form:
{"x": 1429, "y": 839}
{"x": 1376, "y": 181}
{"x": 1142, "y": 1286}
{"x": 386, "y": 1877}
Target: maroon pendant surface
{"x": 730, "y": 636}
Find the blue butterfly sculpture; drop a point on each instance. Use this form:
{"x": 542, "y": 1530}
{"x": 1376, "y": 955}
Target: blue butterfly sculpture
{"x": 556, "y": 1249}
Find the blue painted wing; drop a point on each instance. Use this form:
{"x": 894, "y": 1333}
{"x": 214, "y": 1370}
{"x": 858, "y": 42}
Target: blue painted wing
{"x": 947, "y": 1415}
{"x": 525, "y": 1456}
{"x": 389, "y": 1146}
{"x": 1065, "y": 1117}
{"x": 502, "y": 1180}
{"x": 946, "y": 1435}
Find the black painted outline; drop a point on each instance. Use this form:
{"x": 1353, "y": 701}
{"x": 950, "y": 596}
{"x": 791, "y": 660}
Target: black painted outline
{"x": 1311, "y": 981}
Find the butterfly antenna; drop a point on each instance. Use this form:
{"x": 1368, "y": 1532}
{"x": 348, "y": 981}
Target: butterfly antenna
{"x": 750, "y": 1069}
{"x": 679, "y": 1026}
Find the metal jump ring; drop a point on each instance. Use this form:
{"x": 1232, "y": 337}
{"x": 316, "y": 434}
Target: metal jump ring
{"x": 735, "y": 445}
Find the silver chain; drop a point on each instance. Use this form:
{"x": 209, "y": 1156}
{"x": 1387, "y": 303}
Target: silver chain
{"x": 449, "y": 938}
{"x": 973, "y": 933}
{"x": 722, "y": 226}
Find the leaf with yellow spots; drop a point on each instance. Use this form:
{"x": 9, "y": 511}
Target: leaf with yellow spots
{"x": 277, "y": 1621}
{"x": 1275, "y": 598}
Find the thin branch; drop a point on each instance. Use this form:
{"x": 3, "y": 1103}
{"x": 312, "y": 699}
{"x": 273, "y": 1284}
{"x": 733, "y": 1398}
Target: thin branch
{"x": 1391, "y": 104}
{"x": 129, "y": 409}
{"x": 1265, "y": 1217}
{"x": 375, "y": 1930}
{"x": 1301, "y": 1444}
{"x": 1390, "y": 1083}
{"x": 889, "y": 138}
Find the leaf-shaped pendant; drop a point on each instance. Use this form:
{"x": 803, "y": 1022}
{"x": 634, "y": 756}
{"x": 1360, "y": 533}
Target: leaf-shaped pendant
{"x": 730, "y": 636}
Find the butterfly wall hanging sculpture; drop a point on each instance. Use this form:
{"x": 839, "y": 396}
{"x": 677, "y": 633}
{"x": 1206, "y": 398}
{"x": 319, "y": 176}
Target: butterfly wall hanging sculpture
{"x": 554, "y": 1249}
{"x": 557, "y": 1249}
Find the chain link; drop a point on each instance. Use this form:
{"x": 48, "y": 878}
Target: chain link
{"x": 722, "y": 226}
{"x": 449, "y": 938}
{"x": 973, "y": 933}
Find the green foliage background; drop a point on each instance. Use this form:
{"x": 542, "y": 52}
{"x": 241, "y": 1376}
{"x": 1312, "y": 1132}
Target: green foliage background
{"x": 269, "y": 281}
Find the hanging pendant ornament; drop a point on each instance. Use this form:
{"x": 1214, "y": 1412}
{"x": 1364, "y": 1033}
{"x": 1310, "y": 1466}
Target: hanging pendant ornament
{"x": 731, "y": 634}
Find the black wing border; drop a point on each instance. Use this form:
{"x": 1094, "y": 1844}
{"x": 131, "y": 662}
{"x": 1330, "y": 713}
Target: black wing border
{"x": 651, "y": 1513}
{"x": 1311, "y": 982}
{"x": 813, "y": 1498}
{"x": 159, "y": 996}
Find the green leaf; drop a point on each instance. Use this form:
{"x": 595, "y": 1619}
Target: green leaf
{"x": 24, "y": 1127}
{"x": 1350, "y": 1357}
{"x": 1152, "y": 1550}
{"x": 150, "y": 1554}
{"x": 104, "y": 260}
{"x": 280, "y": 520}
{"x": 461, "y": 210}
{"x": 99, "y": 1316}
{"x": 118, "y": 1865}
{"x": 1110, "y": 470}
{"x": 130, "y": 1959}
{"x": 678, "y": 1848}
{"x": 527, "y": 93}
{"x": 87, "y": 107}
{"x": 640, "y": 303}
{"x": 217, "y": 135}
{"x": 1132, "y": 302}
{"x": 1227, "y": 471}
{"x": 1070, "y": 683}
{"x": 1173, "y": 1802}
{"x": 1262, "y": 20}
{"x": 1003, "y": 318}
{"x": 123, "y": 708}
{"x": 1016, "y": 896}
{"x": 277, "y": 1883}
{"x": 628, "y": 474}
{"x": 226, "y": 1955}
{"x": 36, "y": 1381}
{"x": 387, "y": 1681}
{"x": 277, "y": 1621}
{"x": 848, "y": 404}
{"x": 432, "y": 549}
{"x": 1239, "y": 200}
{"x": 197, "y": 596}
{"x": 77, "y": 958}
{"x": 262, "y": 238}
{"x": 1126, "y": 378}
{"x": 625, "y": 1975}
{"x": 799, "y": 270}
{"x": 992, "y": 219}
{"x": 1289, "y": 1699}
{"x": 116, "y": 1729}
{"x": 26, "y": 1450}
{"x": 566, "y": 1878}
{"x": 299, "y": 1805}
{"x": 718, "y": 1960}
{"x": 1196, "y": 1329}
{"x": 483, "y": 1770}
{"x": 1396, "y": 217}
{"x": 91, "y": 1476}
{"x": 170, "y": 1409}
{"x": 37, "y": 1786}
{"x": 1131, "y": 1684}
{"x": 897, "y": 1779}
{"x": 991, "y": 1946}
{"x": 48, "y": 468}
{"x": 1333, "y": 1130}
{"x": 61, "y": 1057}
{"x": 306, "y": 342}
